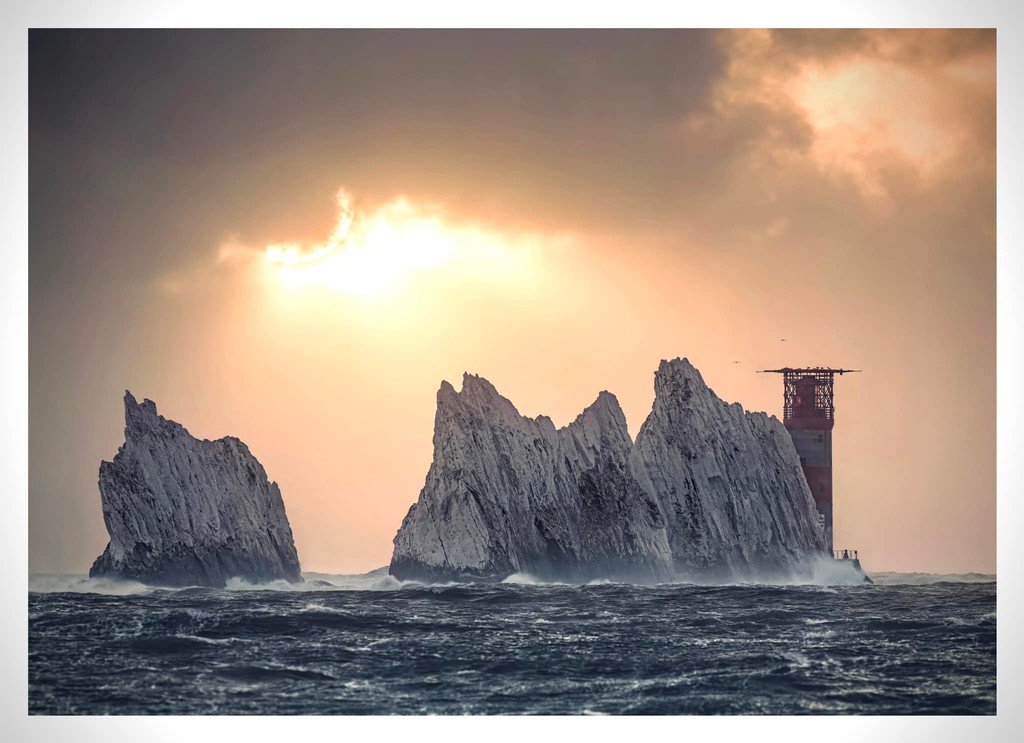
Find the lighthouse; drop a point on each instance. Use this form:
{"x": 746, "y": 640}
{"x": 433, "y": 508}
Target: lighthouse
{"x": 809, "y": 415}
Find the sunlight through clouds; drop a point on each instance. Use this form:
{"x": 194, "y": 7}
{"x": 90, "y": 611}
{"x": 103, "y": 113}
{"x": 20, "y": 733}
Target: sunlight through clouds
{"x": 291, "y": 253}
{"x": 369, "y": 254}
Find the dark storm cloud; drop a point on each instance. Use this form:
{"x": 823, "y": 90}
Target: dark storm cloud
{"x": 122, "y": 121}
{"x": 130, "y": 130}
{"x": 183, "y": 91}
{"x": 934, "y": 46}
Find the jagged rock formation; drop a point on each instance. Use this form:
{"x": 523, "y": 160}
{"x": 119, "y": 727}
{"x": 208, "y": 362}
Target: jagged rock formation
{"x": 184, "y": 511}
{"x": 729, "y": 482}
{"x": 707, "y": 491}
{"x": 509, "y": 494}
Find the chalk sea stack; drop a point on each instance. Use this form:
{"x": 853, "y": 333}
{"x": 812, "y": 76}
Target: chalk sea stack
{"x": 184, "y": 511}
{"x": 707, "y": 491}
{"x": 729, "y": 482}
{"x": 509, "y": 494}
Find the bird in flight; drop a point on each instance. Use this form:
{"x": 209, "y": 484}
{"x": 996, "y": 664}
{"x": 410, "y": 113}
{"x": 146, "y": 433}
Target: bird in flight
{"x": 735, "y": 362}
{"x": 782, "y": 341}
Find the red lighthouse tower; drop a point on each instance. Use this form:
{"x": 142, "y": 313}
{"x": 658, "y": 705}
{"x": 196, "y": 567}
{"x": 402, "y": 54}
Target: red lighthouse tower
{"x": 809, "y": 415}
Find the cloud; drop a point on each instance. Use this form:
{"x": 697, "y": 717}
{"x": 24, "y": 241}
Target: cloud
{"x": 222, "y": 264}
{"x": 291, "y": 253}
{"x": 373, "y": 250}
{"x": 862, "y": 107}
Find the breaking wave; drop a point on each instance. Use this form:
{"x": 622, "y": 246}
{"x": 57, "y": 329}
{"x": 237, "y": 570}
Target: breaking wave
{"x": 373, "y": 581}
{"x": 823, "y": 573}
{"x": 526, "y": 579}
{"x": 62, "y": 583}
{"x": 924, "y": 579}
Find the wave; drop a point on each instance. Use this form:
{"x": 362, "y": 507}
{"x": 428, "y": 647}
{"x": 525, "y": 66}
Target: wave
{"x": 824, "y": 573}
{"x": 817, "y": 572}
{"x": 528, "y": 579}
{"x": 924, "y": 579}
{"x": 375, "y": 580}
{"x": 372, "y": 581}
{"x": 80, "y": 583}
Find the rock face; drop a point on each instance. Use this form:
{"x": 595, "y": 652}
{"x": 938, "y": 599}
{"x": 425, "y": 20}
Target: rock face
{"x": 729, "y": 483}
{"x": 707, "y": 490}
{"x": 508, "y": 494}
{"x": 184, "y": 511}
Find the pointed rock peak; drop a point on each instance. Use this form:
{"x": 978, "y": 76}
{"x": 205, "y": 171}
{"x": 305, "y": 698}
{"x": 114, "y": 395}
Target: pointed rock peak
{"x": 481, "y": 394}
{"x": 676, "y": 372}
{"x": 545, "y": 422}
{"x": 478, "y": 392}
{"x": 473, "y": 387}
{"x": 678, "y": 367}
{"x": 677, "y": 383}
{"x": 478, "y": 398}
{"x": 605, "y": 404}
{"x": 138, "y": 416}
{"x": 478, "y": 385}
{"x": 446, "y": 393}
{"x": 605, "y": 411}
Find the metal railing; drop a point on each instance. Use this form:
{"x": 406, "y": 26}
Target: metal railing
{"x": 845, "y": 554}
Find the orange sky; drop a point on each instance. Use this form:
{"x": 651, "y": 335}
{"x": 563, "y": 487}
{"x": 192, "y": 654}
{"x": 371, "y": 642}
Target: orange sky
{"x": 555, "y": 211}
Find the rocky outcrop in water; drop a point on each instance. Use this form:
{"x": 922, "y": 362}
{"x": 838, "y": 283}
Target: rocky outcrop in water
{"x": 707, "y": 490}
{"x": 184, "y": 511}
{"x": 728, "y": 482}
{"x": 508, "y": 494}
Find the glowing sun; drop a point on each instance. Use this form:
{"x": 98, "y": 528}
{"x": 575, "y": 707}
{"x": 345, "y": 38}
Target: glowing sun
{"x": 367, "y": 254}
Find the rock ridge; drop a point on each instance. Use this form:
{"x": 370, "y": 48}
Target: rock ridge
{"x": 707, "y": 490}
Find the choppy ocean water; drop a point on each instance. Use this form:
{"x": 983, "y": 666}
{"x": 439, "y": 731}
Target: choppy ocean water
{"x": 910, "y": 644}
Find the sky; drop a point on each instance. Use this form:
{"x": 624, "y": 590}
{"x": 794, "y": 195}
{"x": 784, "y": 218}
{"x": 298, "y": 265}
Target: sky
{"x": 293, "y": 237}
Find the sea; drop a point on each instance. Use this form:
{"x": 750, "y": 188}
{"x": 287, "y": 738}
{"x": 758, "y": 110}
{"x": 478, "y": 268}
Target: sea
{"x": 915, "y": 644}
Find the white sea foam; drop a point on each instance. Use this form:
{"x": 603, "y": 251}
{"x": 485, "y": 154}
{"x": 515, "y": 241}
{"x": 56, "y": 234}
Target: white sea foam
{"x": 827, "y": 572}
{"x": 922, "y": 579}
{"x": 526, "y": 579}
{"x": 824, "y": 573}
{"x": 375, "y": 580}
{"x": 80, "y": 583}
